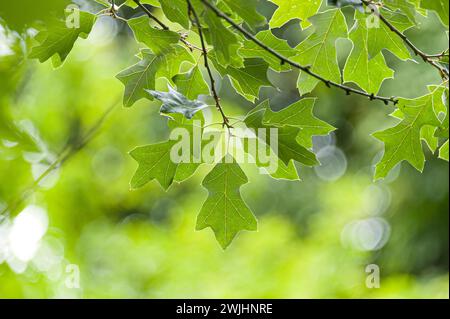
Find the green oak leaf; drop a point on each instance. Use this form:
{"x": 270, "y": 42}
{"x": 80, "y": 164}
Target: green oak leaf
{"x": 142, "y": 76}
{"x": 319, "y": 50}
{"x": 155, "y": 161}
{"x": 176, "y": 11}
{"x": 247, "y": 81}
{"x": 58, "y": 40}
{"x": 441, "y": 7}
{"x": 247, "y": 11}
{"x": 158, "y": 40}
{"x": 294, "y": 9}
{"x": 226, "y": 43}
{"x": 175, "y": 102}
{"x": 300, "y": 115}
{"x": 288, "y": 146}
{"x": 224, "y": 210}
{"x": 403, "y": 142}
{"x": 191, "y": 84}
{"x": 367, "y": 72}
{"x": 252, "y": 50}
{"x": 382, "y": 38}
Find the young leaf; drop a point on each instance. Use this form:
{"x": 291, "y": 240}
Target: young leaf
{"x": 402, "y": 142}
{"x": 252, "y": 50}
{"x": 366, "y": 71}
{"x": 175, "y": 102}
{"x": 159, "y": 41}
{"x": 142, "y": 76}
{"x": 58, "y": 40}
{"x": 191, "y": 84}
{"x": 319, "y": 49}
{"x": 294, "y": 9}
{"x": 224, "y": 210}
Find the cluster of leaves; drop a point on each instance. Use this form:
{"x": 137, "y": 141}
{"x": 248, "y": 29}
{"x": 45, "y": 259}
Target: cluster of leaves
{"x": 238, "y": 41}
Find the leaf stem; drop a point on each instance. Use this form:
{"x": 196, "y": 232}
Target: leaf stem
{"x": 285, "y": 60}
{"x": 196, "y": 21}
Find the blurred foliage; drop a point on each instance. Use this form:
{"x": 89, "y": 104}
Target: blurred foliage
{"x": 315, "y": 237}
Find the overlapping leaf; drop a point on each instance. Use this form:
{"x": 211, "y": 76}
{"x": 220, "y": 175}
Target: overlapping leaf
{"x": 176, "y": 11}
{"x": 156, "y": 163}
{"x": 142, "y": 76}
{"x": 252, "y": 50}
{"x": 382, "y": 38}
{"x": 226, "y": 43}
{"x": 247, "y": 10}
{"x": 300, "y": 115}
{"x": 158, "y": 40}
{"x": 319, "y": 50}
{"x": 191, "y": 84}
{"x": 361, "y": 68}
{"x": 248, "y": 80}
{"x": 289, "y": 147}
{"x": 403, "y": 142}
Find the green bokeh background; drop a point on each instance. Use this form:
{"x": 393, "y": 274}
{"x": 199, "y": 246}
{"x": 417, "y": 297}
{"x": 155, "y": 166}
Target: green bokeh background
{"x": 142, "y": 244}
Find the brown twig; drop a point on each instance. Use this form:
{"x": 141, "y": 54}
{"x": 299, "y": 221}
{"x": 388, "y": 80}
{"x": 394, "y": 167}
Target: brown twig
{"x": 196, "y": 21}
{"x": 285, "y": 60}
